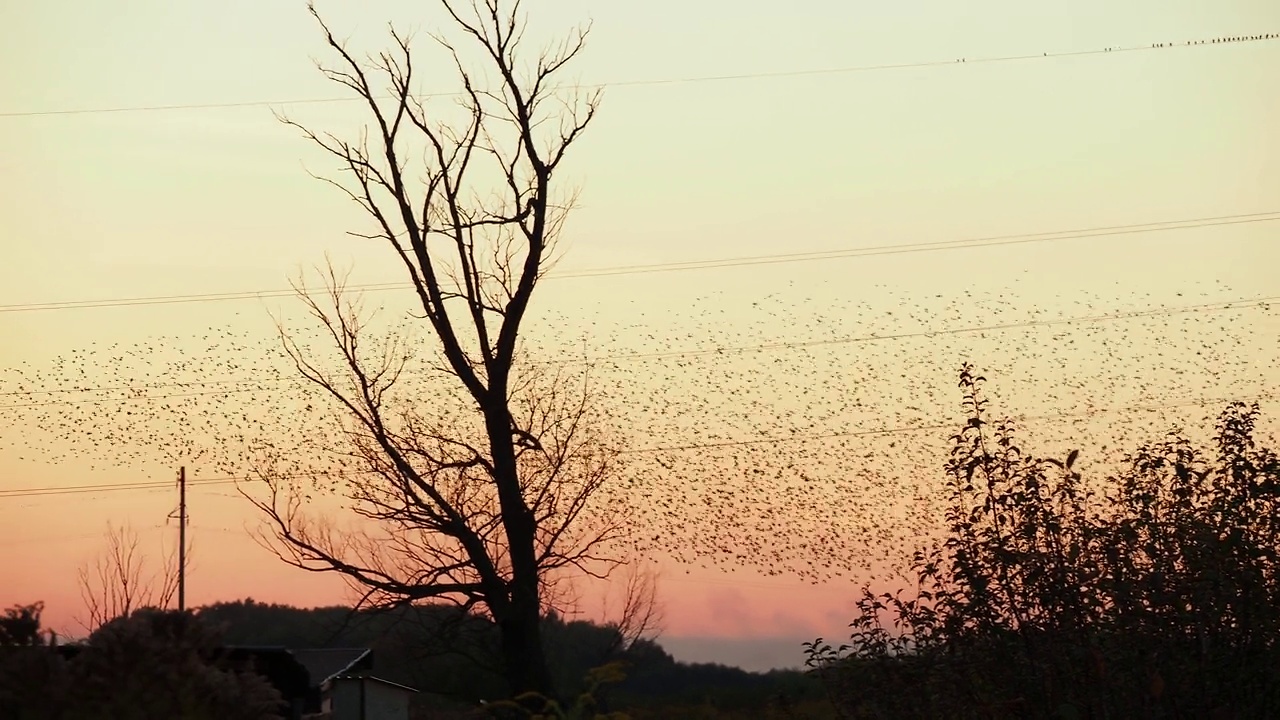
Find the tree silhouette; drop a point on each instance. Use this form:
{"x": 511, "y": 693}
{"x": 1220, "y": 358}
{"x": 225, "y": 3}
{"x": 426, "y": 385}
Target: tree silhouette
{"x": 156, "y": 663}
{"x": 20, "y": 626}
{"x": 33, "y": 680}
{"x": 149, "y": 664}
{"x": 1150, "y": 594}
{"x": 481, "y": 497}
{"x": 119, "y": 580}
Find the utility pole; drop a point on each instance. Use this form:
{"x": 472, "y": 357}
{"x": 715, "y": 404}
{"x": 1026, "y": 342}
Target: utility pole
{"x": 182, "y": 538}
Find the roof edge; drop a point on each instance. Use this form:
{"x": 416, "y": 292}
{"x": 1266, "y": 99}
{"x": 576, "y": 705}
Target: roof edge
{"x": 375, "y": 679}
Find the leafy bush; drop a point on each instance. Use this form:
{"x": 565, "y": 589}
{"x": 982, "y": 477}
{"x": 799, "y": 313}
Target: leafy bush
{"x": 1154, "y": 598}
{"x": 150, "y": 664}
{"x": 534, "y": 706}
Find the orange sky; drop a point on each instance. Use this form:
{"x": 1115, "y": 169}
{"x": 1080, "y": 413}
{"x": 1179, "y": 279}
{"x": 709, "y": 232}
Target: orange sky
{"x": 141, "y": 204}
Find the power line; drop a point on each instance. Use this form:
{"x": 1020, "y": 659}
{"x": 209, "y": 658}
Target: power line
{"x": 106, "y": 487}
{"x": 144, "y": 398}
{"x": 62, "y": 538}
{"x": 1242, "y": 303}
{"x": 1101, "y": 317}
{"x": 652, "y": 82}
{"x": 948, "y": 426}
{"x": 910, "y": 429}
{"x": 933, "y": 246}
{"x": 740, "y": 261}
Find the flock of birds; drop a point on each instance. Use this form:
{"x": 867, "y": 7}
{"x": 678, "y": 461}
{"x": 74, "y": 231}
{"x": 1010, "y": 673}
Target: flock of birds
{"x": 1217, "y": 40}
{"x": 800, "y": 438}
{"x": 1188, "y": 43}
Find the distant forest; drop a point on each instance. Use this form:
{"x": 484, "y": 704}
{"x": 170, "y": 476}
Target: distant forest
{"x": 452, "y": 657}
{"x": 153, "y": 664}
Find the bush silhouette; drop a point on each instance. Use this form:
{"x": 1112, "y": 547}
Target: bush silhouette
{"x": 1153, "y": 594}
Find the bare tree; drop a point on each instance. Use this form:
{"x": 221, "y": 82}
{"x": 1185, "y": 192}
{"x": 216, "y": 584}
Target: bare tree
{"x": 485, "y": 495}
{"x": 640, "y": 616}
{"x": 120, "y": 580}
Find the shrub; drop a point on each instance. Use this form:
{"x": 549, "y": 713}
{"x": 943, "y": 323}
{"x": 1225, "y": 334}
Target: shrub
{"x": 1157, "y": 597}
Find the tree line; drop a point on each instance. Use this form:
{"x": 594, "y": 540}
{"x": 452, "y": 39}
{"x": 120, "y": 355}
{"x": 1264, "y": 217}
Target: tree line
{"x": 152, "y": 663}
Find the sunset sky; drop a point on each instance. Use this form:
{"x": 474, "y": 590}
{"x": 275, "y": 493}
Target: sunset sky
{"x": 143, "y": 203}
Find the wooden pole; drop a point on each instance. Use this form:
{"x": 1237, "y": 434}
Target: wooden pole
{"x": 182, "y": 539}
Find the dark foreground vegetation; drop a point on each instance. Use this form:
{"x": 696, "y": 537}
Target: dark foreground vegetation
{"x": 1150, "y": 594}
{"x": 171, "y": 665}
{"x": 150, "y": 665}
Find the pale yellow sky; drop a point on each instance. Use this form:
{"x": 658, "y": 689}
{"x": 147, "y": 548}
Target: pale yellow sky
{"x": 128, "y": 204}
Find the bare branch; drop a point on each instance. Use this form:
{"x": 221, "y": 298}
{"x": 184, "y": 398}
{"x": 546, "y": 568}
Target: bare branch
{"x": 123, "y": 579}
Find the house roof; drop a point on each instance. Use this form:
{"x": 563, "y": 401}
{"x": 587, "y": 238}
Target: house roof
{"x": 323, "y": 664}
{"x": 370, "y": 678}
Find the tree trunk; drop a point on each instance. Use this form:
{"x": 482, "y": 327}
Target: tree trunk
{"x": 524, "y": 659}
{"x": 523, "y": 655}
